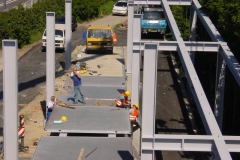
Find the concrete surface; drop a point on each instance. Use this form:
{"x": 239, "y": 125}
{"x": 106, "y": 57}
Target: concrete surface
{"x": 110, "y": 65}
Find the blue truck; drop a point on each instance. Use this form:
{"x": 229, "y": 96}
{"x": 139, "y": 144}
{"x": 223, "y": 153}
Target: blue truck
{"x": 153, "y": 20}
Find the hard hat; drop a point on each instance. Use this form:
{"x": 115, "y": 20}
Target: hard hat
{"x": 121, "y": 97}
{"x": 127, "y": 93}
{"x": 64, "y": 118}
{"x": 82, "y": 72}
{"x": 136, "y": 105}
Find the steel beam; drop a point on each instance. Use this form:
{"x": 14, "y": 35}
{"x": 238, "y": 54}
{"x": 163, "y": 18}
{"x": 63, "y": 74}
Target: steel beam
{"x": 10, "y": 98}
{"x": 130, "y": 37}
{"x": 225, "y": 52}
{"x": 173, "y": 46}
{"x": 68, "y": 28}
{"x": 50, "y": 56}
{"x": 149, "y": 95}
{"x": 157, "y": 2}
{"x": 203, "y": 143}
{"x": 219, "y": 148}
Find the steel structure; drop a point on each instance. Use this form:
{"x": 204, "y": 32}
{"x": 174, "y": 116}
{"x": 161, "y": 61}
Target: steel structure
{"x": 10, "y": 98}
{"x": 50, "y": 55}
{"x": 68, "y": 28}
{"x": 215, "y": 142}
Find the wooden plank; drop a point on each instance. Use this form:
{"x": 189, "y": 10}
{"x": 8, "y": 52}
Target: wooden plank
{"x": 81, "y": 154}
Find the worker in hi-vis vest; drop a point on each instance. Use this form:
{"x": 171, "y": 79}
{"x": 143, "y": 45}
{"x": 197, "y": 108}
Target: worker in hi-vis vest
{"x": 114, "y": 38}
{"x": 122, "y": 101}
{"x": 133, "y": 113}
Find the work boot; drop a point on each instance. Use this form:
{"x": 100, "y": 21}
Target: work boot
{"x": 75, "y": 102}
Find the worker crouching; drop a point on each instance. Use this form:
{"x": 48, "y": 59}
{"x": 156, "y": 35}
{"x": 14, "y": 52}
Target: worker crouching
{"x": 122, "y": 101}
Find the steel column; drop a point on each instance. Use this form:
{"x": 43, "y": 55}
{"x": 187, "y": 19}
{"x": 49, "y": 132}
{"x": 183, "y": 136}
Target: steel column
{"x": 136, "y": 60}
{"x": 149, "y": 97}
{"x": 135, "y": 77}
{"x": 193, "y": 21}
{"x": 50, "y": 55}
{"x": 130, "y": 37}
{"x": 5, "y": 4}
{"x": 68, "y": 28}
{"x": 10, "y": 98}
{"x": 219, "y": 90}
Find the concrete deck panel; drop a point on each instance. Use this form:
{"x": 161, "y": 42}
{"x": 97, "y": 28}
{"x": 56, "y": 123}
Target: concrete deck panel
{"x": 63, "y": 148}
{"x": 90, "y": 119}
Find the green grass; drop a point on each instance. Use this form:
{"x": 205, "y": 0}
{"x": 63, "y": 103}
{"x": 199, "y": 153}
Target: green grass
{"x": 118, "y": 25}
{"x": 35, "y": 37}
{"x": 108, "y": 7}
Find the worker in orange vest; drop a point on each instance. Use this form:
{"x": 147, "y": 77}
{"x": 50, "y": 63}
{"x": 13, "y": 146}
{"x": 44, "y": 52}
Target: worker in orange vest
{"x": 122, "y": 101}
{"x": 133, "y": 113}
{"x": 114, "y": 38}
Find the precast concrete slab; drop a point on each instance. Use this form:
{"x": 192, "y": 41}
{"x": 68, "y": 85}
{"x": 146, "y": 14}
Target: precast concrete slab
{"x": 93, "y": 148}
{"x": 96, "y": 89}
{"x": 90, "y": 119}
{"x": 109, "y": 65}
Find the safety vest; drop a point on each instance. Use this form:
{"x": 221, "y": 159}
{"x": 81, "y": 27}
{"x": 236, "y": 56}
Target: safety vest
{"x": 134, "y": 115}
{"x": 119, "y": 103}
{"x": 114, "y": 38}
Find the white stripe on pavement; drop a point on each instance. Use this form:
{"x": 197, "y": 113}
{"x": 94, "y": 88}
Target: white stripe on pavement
{"x": 9, "y": 1}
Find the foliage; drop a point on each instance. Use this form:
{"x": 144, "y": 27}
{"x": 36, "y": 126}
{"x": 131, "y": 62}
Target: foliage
{"x": 26, "y": 25}
{"x": 181, "y": 16}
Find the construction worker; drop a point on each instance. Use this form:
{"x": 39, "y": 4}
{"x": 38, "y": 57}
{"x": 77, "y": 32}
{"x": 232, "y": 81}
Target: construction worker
{"x": 133, "y": 113}
{"x": 123, "y": 102}
{"x": 51, "y": 104}
{"x": 114, "y": 38}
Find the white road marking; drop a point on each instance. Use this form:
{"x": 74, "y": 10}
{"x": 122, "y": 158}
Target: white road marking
{"x": 8, "y": 2}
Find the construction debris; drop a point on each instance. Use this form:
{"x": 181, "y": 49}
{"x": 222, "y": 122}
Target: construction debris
{"x": 104, "y": 103}
{"x": 59, "y": 103}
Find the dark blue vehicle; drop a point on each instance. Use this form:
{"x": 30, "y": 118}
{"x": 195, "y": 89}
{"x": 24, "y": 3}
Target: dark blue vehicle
{"x": 153, "y": 20}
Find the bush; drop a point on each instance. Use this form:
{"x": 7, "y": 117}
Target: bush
{"x": 26, "y": 24}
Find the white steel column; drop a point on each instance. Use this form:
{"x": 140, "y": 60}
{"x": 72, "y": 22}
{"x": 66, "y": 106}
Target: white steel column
{"x": 10, "y": 98}
{"x": 149, "y": 98}
{"x": 219, "y": 90}
{"x": 68, "y": 27}
{"x": 193, "y": 21}
{"x": 135, "y": 76}
{"x": 136, "y": 60}
{"x": 50, "y": 58}
{"x": 130, "y": 37}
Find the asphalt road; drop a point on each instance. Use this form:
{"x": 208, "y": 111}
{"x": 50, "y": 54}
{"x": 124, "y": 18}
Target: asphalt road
{"x": 10, "y": 4}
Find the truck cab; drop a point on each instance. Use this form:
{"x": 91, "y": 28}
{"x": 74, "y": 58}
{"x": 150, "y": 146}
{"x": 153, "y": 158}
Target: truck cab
{"x": 153, "y": 20}
{"x": 99, "y": 38}
{"x": 59, "y": 37}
